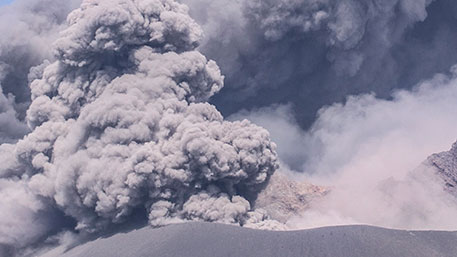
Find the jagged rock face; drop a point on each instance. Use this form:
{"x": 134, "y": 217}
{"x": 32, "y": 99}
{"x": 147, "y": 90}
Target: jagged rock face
{"x": 445, "y": 164}
{"x": 284, "y": 198}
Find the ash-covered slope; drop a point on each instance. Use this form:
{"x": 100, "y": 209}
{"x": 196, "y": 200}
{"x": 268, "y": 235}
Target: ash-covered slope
{"x": 209, "y": 239}
{"x": 445, "y": 164}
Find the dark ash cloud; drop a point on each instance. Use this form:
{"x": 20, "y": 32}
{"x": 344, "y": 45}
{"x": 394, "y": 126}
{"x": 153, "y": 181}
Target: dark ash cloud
{"x": 315, "y": 53}
{"x": 28, "y": 29}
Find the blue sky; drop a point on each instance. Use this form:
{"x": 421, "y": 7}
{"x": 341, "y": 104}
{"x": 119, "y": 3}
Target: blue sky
{"x": 3, "y": 2}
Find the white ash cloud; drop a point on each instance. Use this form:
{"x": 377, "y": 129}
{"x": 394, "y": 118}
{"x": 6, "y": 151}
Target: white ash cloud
{"x": 414, "y": 123}
{"x": 121, "y": 123}
{"x": 368, "y": 152}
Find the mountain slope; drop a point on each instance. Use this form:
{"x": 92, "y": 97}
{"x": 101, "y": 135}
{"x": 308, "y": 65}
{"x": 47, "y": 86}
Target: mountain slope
{"x": 209, "y": 239}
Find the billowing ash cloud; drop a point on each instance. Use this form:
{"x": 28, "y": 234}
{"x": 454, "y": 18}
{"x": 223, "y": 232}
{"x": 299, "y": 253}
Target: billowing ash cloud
{"x": 121, "y": 125}
{"x": 28, "y": 29}
{"x": 315, "y": 53}
{"x": 369, "y": 151}
{"x": 292, "y": 145}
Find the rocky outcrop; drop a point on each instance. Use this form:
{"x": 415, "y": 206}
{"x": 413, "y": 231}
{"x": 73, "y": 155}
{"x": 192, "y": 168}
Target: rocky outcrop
{"x": 284, "y": 198}
{"x": 445, "y": 164}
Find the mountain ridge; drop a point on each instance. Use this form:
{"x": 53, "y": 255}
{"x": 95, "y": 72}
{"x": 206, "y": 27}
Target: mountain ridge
{"x": 210, "y": 239}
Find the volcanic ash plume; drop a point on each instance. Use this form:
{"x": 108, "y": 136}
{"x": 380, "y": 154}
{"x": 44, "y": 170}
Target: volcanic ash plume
{"x": 313, "y": 53}
{"x": 28, "y": 28}
{"x": 120, "y": 123}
